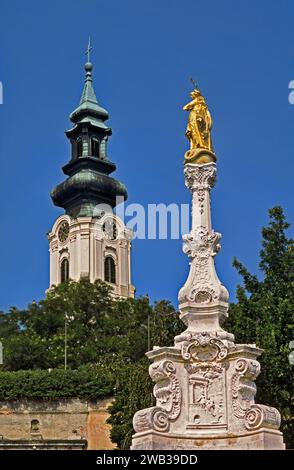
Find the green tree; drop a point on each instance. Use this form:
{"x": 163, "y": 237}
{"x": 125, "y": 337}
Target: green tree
{"x": 264, "y": 314}
{"x": 99, "y": 328}
{"x": 133, "y": 390}
{"x": 34, "y": 338}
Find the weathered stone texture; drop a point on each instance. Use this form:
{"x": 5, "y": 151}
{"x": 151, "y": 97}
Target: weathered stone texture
{"x": 57, "y": 422}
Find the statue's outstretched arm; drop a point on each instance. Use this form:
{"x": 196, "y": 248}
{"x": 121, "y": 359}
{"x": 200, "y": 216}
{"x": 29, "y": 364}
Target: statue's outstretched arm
{"x": 189, "y": 106}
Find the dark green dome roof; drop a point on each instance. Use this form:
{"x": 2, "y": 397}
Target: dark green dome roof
{"x": 87, "y": 185}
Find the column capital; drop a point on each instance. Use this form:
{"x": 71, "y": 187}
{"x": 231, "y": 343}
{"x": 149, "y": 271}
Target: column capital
{"x": 200, "y": 177}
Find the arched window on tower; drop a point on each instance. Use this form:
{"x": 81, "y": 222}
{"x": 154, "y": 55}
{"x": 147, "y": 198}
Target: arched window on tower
{"x": 95, "y": 148}
{"x": 109, "y": 270}
{"x": 79, "y": 148}
{"x": 64, "y": 270}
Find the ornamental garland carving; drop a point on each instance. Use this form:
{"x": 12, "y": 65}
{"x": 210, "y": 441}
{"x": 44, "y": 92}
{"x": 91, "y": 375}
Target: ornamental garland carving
{"x": 167, "y": 392}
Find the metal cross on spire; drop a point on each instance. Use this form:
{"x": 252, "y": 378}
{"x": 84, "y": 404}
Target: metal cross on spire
{"x": 88, "y": 51}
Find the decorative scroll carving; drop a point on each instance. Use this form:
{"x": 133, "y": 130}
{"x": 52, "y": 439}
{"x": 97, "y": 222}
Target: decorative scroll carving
{"x": 151, "y": 418}
{"x": 168, "y": 395}
{"x": 258, "y": 416}
{"x": 243, "y": 386}
{"x": 204, "y": 347}
{"x": 167, "y": 392}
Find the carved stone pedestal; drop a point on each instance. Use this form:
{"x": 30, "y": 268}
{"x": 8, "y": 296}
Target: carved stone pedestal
{"x": 204, "y": 384}
{"x": 205, "y": 399}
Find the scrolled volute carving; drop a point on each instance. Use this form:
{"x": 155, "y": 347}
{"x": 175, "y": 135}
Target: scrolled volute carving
{"x": 167, "y": 392}
{"x": 243, "y": 386}
{"x": 250, "y": 369}
{"x": 151, "y": 418}
{"x": 258, "y": 416}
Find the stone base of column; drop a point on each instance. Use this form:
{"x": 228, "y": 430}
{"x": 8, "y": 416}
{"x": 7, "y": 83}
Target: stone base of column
{"x": 263, "y": 439}
{"x": 204, "y": 390}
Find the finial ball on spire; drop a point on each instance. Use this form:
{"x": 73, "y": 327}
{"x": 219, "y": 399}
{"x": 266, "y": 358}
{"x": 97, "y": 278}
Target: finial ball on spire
{"x": 88, "y": 66}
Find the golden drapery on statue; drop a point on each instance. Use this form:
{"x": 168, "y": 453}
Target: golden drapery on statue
{"x": 198, "y": 130}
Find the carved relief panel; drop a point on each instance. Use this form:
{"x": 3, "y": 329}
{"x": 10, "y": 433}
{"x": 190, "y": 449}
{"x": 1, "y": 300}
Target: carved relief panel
{"x": 207, "y": 401}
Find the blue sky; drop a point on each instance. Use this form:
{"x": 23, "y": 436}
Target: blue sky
{"x": 241, "y": 54}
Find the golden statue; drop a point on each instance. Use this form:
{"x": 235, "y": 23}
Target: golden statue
{"x": 198, "y": 130}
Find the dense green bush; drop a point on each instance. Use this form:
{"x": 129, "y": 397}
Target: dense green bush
{"x": 86, "y": 382}
{"x": 133, "y": 392}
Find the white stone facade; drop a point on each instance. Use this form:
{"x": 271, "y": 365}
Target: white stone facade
{"x": 86, "y": 248}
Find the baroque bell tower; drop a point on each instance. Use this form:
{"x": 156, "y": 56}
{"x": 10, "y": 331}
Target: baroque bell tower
{"x": 89, "y": 240}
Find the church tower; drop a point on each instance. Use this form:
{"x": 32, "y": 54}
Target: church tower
{"x": 89, "y": 240}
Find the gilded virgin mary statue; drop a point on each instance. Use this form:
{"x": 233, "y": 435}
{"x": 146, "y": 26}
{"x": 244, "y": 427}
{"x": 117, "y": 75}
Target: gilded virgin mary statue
{"x": 198, "y": 130}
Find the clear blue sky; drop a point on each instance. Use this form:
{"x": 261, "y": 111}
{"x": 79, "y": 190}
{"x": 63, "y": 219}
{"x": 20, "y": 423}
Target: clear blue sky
{"x": 242, "y": 55}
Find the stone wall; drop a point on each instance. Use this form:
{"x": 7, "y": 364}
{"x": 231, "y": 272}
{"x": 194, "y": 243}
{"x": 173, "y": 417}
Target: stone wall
{"x": 67, "y": 423}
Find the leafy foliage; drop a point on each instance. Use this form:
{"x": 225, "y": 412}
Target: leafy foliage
{"x": 133, "y": 389}
{"x": 98, "y": 328}
{"x": 86, "y": 382}
{"x": 264, "y": 314}
{"x": 133, "y": 392}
